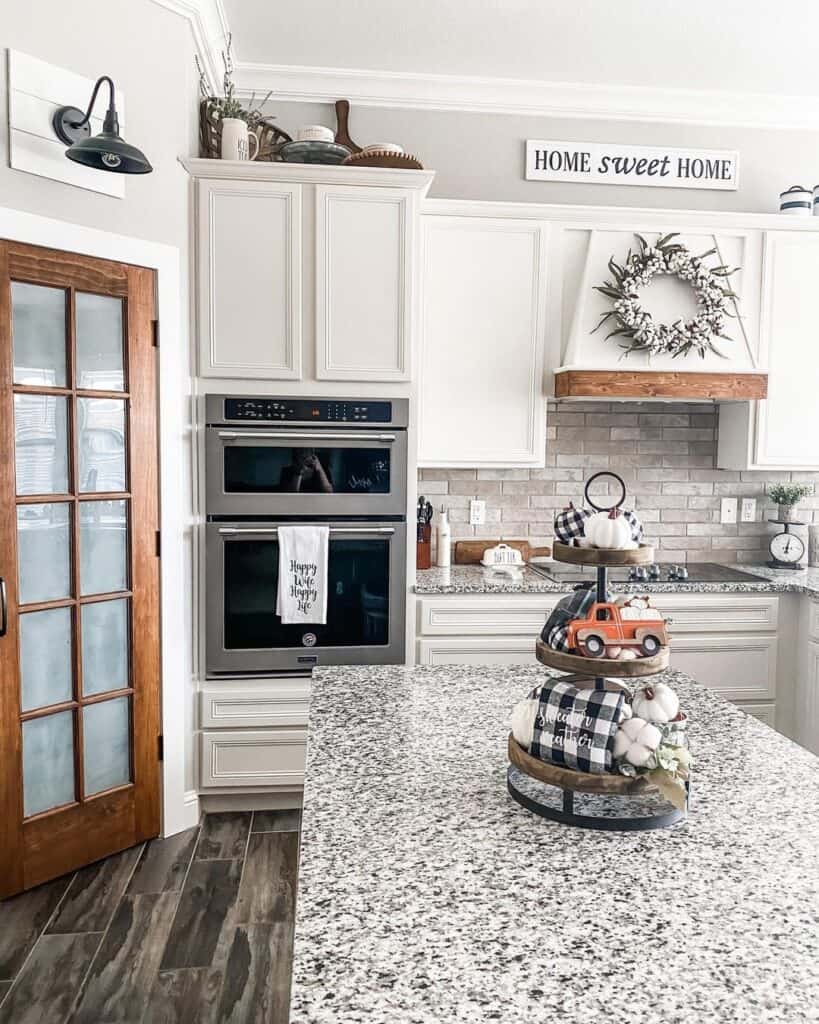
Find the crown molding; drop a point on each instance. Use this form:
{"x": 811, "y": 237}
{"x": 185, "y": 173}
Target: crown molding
{"x": 374, "y": 88}
{"x": 209, "y": 26}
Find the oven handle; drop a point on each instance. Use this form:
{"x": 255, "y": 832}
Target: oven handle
{"x": 233, "y": 530}
{"x": 264, "y": 435}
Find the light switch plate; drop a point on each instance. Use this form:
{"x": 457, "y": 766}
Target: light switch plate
{"x": 477, "y": 512}
{"x": 748, "y": 513}
{"x": 728, "y": 510}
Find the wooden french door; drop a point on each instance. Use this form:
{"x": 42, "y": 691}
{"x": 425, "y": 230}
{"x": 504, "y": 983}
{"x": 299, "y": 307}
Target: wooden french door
{"x": 79, "y": 595}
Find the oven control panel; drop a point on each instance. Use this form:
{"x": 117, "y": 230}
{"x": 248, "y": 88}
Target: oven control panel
{"x": 306, "y": 410}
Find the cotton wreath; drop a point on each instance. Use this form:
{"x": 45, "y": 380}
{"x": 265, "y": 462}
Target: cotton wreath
{"x": 638, "y": 327}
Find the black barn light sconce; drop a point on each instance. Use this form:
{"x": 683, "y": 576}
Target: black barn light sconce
{"x": 104, "y": 152}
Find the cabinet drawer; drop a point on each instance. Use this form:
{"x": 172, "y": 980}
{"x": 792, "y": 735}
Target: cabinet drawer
{"x": 719, "y": 613}
{"x": 483, "y": 614}
{"x": 764, "y": 712}
{"x": 477, "y": 651}
{"x": 264, "y": 757}
{"x": 741, "y": 668}
{"x": 258, "y": 705}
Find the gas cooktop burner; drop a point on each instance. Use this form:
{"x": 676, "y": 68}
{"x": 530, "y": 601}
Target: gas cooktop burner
{"x": 659, "y": 572}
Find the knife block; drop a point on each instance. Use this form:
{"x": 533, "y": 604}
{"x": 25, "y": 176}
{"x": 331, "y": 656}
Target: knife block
{"x": 423, "y": 547}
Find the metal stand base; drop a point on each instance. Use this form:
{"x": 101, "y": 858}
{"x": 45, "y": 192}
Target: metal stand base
{"x": 568, "y": 817}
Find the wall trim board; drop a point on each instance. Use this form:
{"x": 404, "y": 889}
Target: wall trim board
{"x": 584, "y": 100}
{"x": 174, "y": 514}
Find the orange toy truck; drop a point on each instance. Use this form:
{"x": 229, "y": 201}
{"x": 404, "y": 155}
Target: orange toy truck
{"x": 609, "y": 625}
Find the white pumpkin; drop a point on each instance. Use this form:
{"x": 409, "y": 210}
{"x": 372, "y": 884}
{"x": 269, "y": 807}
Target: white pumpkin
{"x": 656, "y": 703}
{"x": 609, "y": 530}
{"x": 522, "y": 721}
{"x": 627, "y": 654}
{"x": 636, "y": 740}
{"x": 613, "y": 652}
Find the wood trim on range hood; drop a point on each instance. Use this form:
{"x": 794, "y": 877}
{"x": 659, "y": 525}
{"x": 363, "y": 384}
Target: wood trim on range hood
{"x": 636, "y": 385}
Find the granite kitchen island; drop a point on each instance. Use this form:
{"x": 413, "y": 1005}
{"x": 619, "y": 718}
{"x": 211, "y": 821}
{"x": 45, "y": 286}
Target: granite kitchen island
{"x": 427, "y": 896}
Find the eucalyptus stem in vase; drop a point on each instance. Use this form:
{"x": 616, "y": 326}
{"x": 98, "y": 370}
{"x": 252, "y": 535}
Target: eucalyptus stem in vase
{"x": 787, "y": 497}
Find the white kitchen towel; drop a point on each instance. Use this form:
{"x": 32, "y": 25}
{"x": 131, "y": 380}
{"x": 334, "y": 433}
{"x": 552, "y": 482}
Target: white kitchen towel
{"x": 302, "y": 595}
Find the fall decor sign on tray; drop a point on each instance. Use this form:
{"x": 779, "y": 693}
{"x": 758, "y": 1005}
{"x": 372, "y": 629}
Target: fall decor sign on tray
{"x": 636, "y": 326}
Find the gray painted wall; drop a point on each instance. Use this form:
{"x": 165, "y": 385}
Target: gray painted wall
{"x": 480, "y": 156}
{"x": 148, "y": 51}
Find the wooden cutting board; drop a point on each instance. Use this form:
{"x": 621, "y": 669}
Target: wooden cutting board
{"x": 470, "y": 552}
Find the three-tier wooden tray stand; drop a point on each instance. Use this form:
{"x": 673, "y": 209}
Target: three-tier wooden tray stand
{"x": 607, "y": 801}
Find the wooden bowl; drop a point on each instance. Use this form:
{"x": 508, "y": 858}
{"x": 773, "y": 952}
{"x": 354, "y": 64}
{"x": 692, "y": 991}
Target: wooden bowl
{"x": 644, "y": 555}
{"x": 601, "y": 666}
{"x": 566, "y": 778}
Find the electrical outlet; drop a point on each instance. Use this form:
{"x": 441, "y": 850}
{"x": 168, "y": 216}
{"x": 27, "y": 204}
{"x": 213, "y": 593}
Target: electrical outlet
{"x": 477, "y": 512}
{"x": 748, "y": 513}
{"x": 728, "y": 510}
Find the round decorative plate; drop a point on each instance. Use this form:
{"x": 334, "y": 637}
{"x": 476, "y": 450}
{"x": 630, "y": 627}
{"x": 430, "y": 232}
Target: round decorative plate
{"x": 313, "y": 152}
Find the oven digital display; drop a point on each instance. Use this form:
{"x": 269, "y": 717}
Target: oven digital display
{"x": 300, "y": 410}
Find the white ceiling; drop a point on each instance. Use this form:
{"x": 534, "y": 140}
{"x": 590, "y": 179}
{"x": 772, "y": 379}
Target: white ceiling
{"x": 753, "y": 46}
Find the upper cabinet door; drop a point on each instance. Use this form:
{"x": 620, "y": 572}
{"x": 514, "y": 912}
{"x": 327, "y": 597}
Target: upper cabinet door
{"x": 249, "y": 279}
{"x": 364, "y": 282}
{"x": 481, "y": 393}
{"x": 780, "y": 433}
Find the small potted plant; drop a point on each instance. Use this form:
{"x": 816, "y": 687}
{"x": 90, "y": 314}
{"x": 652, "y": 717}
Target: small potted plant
{"x": 230, "y": 130}
{"x": 787, "y": 497}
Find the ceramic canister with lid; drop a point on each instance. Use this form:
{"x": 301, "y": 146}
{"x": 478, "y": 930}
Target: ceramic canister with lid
{"x": 796, "y": 200}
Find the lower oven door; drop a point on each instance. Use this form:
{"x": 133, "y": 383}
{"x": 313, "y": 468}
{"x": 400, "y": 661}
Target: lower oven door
{"x": 366, "y": 600}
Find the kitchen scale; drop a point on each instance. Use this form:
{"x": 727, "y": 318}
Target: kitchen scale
{"x": 786, "y": 548}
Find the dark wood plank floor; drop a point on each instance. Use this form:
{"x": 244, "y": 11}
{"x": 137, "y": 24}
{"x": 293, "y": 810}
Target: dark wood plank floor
{"x": 195, "y": 929}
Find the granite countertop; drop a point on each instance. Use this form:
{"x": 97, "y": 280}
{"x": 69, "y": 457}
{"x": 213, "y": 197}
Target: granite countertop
{"x": 427, "y": 896}
{"x": 474, "y": 579}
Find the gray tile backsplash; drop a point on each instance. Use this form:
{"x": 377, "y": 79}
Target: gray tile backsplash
{"x": 666, "y": 453}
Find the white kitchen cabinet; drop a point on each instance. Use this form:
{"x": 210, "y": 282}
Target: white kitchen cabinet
{"x": 762, "y": 712}
{"x": 306, "y": 272}
{"x": 365, "y": 256}
{"x": 249, "y": 279}
{"x": 248, "y": 759}
{"x": 728, "y": 642}
{"x": 780, "y": 433}
{"x": 481, "y": 390}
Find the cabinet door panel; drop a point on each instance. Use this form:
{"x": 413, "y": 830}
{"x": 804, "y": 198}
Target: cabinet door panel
{"x": 481, "y": 394}
{"x": 787, "y": 422}
{"x": 364, "y": 294}
{"x": 249, "y": 253}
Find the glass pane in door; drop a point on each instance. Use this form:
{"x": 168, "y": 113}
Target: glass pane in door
{"x": 45, "y": 658}
{"x": 103, "y": 547}
{"x": 107, "y": 744}
{"x": 40, "y": 445}
{"x": 38, "y": 330}
{"x": 101, "y": 436}
{"x": 286, "y": 469}
{"x": 99, "y": 342}
{"x": 48, "y": 762}
{"x": 104, "y": 646}
{"x": 44, "y": 552}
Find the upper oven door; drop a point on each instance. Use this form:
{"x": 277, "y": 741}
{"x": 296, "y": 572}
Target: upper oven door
{"x": 255, "y": 471}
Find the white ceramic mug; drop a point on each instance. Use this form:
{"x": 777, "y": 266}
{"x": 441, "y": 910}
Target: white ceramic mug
{"x": 237, "y": 141}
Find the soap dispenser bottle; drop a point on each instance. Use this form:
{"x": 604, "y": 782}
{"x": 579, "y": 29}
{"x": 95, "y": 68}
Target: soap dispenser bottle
{"x": 444, "y": 540}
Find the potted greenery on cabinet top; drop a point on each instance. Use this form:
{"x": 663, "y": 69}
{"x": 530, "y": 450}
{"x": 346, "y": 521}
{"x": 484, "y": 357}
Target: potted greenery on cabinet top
{"x": 787, "y": 497}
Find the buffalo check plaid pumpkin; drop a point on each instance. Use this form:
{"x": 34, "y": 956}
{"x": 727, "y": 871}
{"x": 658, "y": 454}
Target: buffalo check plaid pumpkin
{"x": 569, "y": 525}
{"x": 576, "y": 728}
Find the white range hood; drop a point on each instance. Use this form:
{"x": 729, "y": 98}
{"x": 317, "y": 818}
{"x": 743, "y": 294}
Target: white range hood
{"x": 596, "y": 367}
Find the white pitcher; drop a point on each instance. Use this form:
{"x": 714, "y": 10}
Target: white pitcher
{"x": 237, "y": 140}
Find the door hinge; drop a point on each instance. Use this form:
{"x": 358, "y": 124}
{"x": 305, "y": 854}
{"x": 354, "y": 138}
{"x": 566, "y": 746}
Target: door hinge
{"x": 158, "y": 544}
{"x": 160, "y": 748}
{"x": 155, "y": 333}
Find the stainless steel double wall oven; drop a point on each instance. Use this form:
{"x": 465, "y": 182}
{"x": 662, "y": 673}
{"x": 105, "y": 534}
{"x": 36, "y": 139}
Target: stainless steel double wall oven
{"x": 283, "y": 461}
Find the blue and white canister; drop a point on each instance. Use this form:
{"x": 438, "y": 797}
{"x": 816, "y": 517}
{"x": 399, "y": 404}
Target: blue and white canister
{"x": 798, "y": 200}
{"x": 816, "y": 200}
